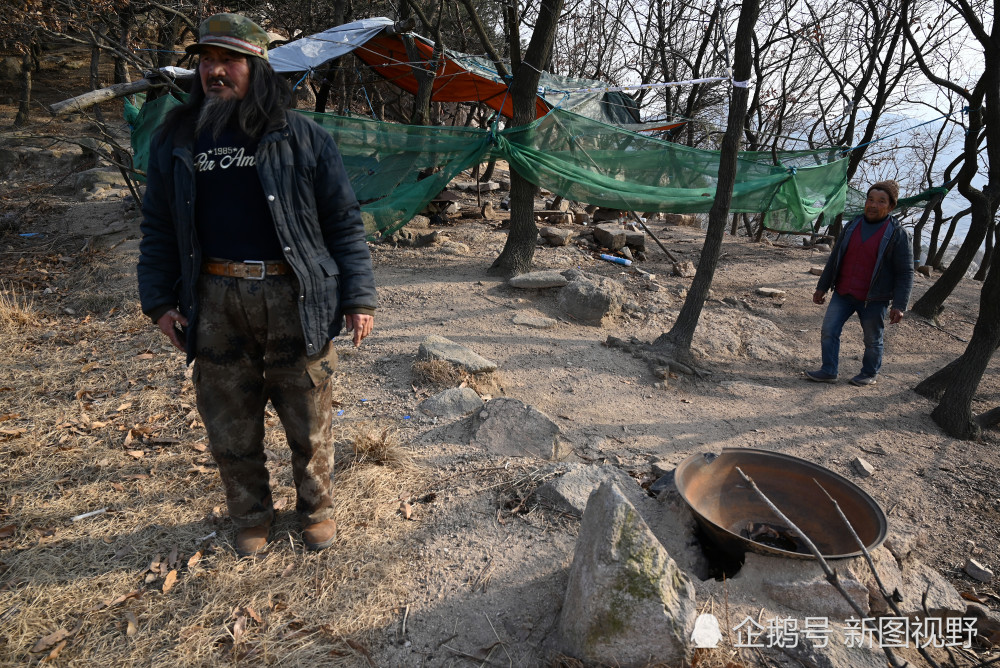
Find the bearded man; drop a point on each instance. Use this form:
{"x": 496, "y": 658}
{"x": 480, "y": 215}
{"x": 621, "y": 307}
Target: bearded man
{"x": 252, "y": 258}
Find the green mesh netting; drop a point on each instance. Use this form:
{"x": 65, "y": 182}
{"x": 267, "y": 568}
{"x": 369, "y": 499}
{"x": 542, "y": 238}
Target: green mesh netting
{"x": 397, "y": 169}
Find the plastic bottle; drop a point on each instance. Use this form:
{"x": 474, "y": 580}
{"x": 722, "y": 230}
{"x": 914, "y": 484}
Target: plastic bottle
{"x": 616, "y": 260}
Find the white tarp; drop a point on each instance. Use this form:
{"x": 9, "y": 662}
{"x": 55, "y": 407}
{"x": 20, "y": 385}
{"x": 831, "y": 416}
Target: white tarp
{"x": 310, "y": 52}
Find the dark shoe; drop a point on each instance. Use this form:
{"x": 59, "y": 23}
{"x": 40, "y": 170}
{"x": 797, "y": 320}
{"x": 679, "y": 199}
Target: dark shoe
{"x": 861, "y": 380}
{"x": 251, "y": 540}
{"x": 821, "y": 376}
{"x": 320, "y": 535}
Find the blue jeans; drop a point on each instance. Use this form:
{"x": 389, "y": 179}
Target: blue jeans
{"x": 872, "y": 319}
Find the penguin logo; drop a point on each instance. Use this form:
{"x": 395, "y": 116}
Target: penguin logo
{"x": 706, "y": 632}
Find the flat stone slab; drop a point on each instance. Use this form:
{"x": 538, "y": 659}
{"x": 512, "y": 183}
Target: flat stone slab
{"x": 440, "y": 348}
{"x": 453, "y": 402}
{"x": 535, "y": 321}
{"x": 537, "y": 280}
{"x": 770, "y": 292}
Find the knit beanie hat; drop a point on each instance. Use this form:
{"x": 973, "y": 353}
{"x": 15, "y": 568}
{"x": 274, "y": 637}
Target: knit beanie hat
{"x": 890, "y": 188}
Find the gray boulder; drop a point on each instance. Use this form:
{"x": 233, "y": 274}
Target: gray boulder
{"x": 571, "y": 491}
{"x": 508, "y": 427}
{"x": 627, "y": 603}
{"x": 99, "y": 177}
{"x": 589, "y": 301}
{"x": 453, "y": 402}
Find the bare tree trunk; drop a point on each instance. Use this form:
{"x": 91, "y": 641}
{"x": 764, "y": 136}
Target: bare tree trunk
{"x": 124, "y": 35}
{"x": 935, "y": 233}
{"x": 682, "y": 333}
{"x": 24, "y": 107}
{"x": 938, "y": 262}
{"x": 932, "y": 302}
{"x": 954, "y": 413}
{"x": 520, "y": 247}
{"x": 988, "y": 252}
{"x": 425, "y": 82}
{"x": 919, "y": 227}
{"x": 95, "y": 78}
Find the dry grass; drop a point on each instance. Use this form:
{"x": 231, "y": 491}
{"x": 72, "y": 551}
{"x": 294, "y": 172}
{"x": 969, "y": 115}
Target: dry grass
{"x": 98, "y": 415}
{"x": 17, "y": 309}
{"x": 437, "y": 375}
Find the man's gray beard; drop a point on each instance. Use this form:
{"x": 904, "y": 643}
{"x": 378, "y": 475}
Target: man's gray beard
{"x": 215, "y": 115}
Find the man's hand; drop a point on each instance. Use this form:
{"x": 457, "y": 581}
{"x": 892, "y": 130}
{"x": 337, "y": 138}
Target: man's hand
{"x": 819, "y": 297}
{"x": 361, "y": 325}
{"x": 895, "y": 316}
{"x": 168, "y": 325}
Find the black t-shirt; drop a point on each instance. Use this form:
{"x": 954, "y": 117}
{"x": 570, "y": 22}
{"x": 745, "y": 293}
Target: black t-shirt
{"x": 231, "y": 213}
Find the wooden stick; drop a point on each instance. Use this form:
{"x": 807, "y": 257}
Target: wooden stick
{"x": 831, "y": 575}
{"x": 891, "y": 599}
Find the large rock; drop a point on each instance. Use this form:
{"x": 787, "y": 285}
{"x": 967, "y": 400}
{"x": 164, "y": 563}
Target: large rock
{"x": 538, "y": 280}
{"x": 99, "y": 177}
{"x": 453, "y": 402}
{"x": 833, "y": 652}
{"x": 511, "y": 428}
{"x": 682, "y": 219}
{"x": 610, "y": 235}
{"x": 800, "y": 584}
{"x": 636, "y": 240}
{"x": 589, "y": 301}
{"x": 921, "y": 585}
{"x": 556, "y": 236}
{"x": 10, "y": 70}
{"x": 571, "y": 491}
{"x": 438, "y": 347}
{"x": 626, "y": 601}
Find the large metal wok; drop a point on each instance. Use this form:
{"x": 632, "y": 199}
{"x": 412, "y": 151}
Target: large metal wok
{"x": 737, "y": 520}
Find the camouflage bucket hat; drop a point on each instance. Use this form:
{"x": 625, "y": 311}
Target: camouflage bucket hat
{"x": 233, "y": 32}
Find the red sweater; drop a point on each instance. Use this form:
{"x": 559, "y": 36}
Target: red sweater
{"x": 858, "y": 264}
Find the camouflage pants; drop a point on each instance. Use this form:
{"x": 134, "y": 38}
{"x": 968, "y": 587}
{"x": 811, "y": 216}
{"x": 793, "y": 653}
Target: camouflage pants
{"x": 250, "y": 349}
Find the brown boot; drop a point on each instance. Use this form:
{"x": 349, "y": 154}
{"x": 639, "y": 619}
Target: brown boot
{"x": 320, "y": 535}
{"x": 250, "y": 540}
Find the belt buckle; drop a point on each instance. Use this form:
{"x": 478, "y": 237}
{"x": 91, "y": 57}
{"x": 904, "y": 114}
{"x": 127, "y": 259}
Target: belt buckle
{"x": 263, "y": 269}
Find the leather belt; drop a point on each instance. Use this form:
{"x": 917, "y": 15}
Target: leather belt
{"x": 255, "y": 270}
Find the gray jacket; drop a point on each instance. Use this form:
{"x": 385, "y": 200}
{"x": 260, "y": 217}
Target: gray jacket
{"x": 315, "y": 212}
{"x": 892, "y": 279}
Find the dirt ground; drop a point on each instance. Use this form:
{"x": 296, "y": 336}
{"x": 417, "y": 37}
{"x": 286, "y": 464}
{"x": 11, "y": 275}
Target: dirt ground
{"x": 96, "y": 412}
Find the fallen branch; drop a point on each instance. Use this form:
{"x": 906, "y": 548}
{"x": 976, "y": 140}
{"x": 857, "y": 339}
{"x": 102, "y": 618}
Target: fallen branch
{"x": 90, "y": 98}
{"x": 891, "y": 599}
{"x": 831, "y": 575}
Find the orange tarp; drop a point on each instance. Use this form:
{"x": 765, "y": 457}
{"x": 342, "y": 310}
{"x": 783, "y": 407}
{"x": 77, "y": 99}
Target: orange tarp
{"x": 452, "y": 83}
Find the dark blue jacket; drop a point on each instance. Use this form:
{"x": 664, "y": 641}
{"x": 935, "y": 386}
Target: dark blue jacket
{"x": 892, "y": 279}
{"x": 315, "y": 213}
